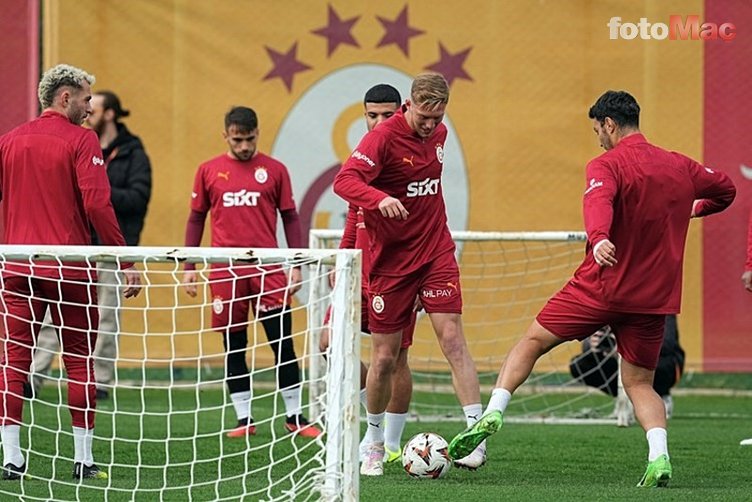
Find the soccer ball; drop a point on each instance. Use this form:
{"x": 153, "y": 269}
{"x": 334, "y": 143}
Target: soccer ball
{"x": 426, "y": 455}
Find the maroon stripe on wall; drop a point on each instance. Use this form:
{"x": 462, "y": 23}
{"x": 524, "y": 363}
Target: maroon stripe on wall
{"x": 19, "y": 61}
{"x": 727, "y": 307}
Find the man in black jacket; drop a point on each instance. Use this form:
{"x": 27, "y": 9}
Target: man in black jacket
{"x": 129, "y": 171}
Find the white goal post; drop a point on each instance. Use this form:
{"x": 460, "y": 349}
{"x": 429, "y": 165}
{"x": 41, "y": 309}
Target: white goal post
{"x": 506, "y": 278}
{"x": 163, "y": 432}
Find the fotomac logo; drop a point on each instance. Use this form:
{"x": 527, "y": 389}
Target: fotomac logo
{"x": 676, "y": 29}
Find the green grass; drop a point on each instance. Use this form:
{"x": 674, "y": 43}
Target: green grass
{"x": 526, "y": 462}
{"x": 154, "y": 454}
{"x": 593, "y": 462}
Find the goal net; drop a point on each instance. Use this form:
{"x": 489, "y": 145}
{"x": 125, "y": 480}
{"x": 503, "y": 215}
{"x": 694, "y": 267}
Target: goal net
{"x": 162, "y": 433}
{"x": 506, "y": 279}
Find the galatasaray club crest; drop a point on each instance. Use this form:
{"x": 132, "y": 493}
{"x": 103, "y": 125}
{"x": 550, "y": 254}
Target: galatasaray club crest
{"x": 440, "y": 153}
{"x": 323, "y": 76}
{"x": 217, "y": 305}
{"x": 377, "y": 304}
{"x": 261, "y": 175}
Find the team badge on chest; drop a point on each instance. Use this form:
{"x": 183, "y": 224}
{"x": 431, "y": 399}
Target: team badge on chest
{"x": 261, "y": 175}
{"x": 440, "y": 153}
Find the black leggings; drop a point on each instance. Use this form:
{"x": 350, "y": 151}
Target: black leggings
{"x": 278, "y": 328}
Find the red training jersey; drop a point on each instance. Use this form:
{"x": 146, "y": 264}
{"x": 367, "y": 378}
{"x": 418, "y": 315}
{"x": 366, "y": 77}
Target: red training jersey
{"x": 392, "y": 160}
{"x": 640, "y": 197}
{"x": 53, "y": 184}
{"x": 243, "y": 197}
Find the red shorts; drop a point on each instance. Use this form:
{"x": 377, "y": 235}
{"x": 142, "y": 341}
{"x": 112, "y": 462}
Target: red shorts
{"x": 233, "y": 290}
{"x": 407, "y": 333}
{"x": 392, "y": 299}
{"x": 638, "y": 336}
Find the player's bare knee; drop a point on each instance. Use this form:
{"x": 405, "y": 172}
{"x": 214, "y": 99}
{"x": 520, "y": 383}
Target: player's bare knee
{"x": 383, "y": 363}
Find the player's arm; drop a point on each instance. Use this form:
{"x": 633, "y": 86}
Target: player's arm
{"x": 714, "y": 190}
{"x": 598, "y": 211}
{"x": 747, "y": 275}
{"x": 194, "y": 229}
{"x": 352, "y": 182}
{"x": 291, "y": 224}
{"x": 350, "y": 232}
{"x": 95, "y": 193}
{"x": 293, "y": 235}
{"x": 349, "y": 235}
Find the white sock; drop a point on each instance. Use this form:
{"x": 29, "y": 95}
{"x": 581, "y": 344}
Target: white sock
{"x": 657, "y": 443}
{"x": 499, "y": 400}
{"x": 374, "y": 432}
{"x": 291, "y": 397}
{"x": 393, "y": 428}
{"x": 11, "y": 438}
{"x": 472, "y": 413}
{"x": 363, "y": 399}
{"x": 242, "y": 403}
{"x": 82, "y": 441}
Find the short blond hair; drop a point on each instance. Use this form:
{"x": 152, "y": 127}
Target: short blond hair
{"x": 430, "y": 90}
{"x": 59, "y": 76}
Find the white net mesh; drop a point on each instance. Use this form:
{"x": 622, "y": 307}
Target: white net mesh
{"x": 506, "y": 279}
{"x": 161, "y": 433}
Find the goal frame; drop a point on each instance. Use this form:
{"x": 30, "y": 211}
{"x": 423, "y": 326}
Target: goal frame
{"x": 340, "y": 400}
{"x": 623, "y": 416}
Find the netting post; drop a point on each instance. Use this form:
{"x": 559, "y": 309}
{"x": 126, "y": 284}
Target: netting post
{"x": 343, "y": 383}
{"x": 316, "y": 313}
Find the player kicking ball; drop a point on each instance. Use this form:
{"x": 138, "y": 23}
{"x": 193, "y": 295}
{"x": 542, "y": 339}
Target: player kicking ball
{"x": 637, "y": 204}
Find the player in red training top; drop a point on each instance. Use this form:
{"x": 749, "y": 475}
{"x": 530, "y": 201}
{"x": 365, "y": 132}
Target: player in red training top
{"x": 244, "y": 189}
{"x": 58, "y": 165}
{"x": 394, "y": 174}
{"x": 637, "y": 204}
{"x": 380, "y": 102}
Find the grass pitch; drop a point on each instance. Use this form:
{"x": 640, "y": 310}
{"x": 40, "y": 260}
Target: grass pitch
{"x": 158, "y": 447}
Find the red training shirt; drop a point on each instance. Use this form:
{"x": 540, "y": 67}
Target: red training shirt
{"x": 53, "y": 183}
{"x": 392, "y": 160}
{"x": 640, "y": 197}
{"x": 243, "y": 197}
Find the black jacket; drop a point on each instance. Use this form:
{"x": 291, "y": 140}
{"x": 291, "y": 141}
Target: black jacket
{"x": 129, "y": 172}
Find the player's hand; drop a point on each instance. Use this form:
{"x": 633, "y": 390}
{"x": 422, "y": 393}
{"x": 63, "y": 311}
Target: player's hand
{"x": 296, "y": 280}
{"x": 747, "y": 280}
{"x": 604, "y": 253}
{"x": 132, "y": 282}
{"x": 393, "y": 208}
{"x": 189, "y": 283}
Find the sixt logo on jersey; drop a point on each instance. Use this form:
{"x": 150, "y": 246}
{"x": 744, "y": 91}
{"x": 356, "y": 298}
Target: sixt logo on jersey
{"x": 241, "y": 198}
{"x": 428, "y": 186}
{"x": 361, "y": 156}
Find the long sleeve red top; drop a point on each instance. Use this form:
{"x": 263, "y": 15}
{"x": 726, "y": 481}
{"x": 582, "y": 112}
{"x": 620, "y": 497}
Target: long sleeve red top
{"x": 640, "y": 197}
